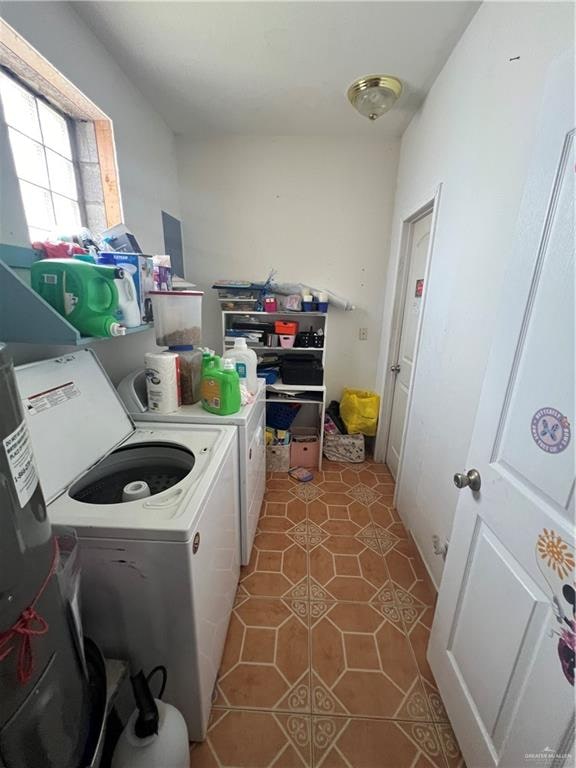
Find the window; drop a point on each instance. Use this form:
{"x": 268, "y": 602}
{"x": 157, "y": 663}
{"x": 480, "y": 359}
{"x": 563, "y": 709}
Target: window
{"x": 43, "y": 151}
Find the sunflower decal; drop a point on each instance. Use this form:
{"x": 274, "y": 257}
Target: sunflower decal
{"x": 555, "y": 552}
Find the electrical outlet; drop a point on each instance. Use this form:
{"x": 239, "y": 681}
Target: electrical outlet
{"x": 363, "y": 334}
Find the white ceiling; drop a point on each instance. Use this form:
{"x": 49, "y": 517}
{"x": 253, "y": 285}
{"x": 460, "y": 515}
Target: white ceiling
{"x": 276, "y": 68}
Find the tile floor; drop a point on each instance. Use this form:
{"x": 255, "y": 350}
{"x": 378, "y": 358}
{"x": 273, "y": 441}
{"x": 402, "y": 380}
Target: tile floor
{"x": 325, "y": 661}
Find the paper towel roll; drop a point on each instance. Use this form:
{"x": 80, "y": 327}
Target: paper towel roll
{"x": 162, "y": 381}
{"x": 138, "y": 489}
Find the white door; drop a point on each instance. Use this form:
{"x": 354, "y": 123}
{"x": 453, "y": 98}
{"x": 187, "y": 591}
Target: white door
{"x": 417, "y": 254}
{"x": 502, "y": 642}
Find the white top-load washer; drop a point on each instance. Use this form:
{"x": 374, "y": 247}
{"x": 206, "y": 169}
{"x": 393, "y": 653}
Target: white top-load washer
{"x": 159, "y": 573}
{"x": 250, "y": 423}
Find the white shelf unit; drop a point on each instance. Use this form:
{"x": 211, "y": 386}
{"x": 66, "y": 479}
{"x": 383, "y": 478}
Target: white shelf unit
{"x": 303, "y": 392}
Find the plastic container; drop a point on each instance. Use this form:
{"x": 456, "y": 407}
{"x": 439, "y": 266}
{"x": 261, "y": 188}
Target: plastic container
{"x": 162, "y": 381}
{"x": 190, "y": 373}
{"x": 287, "y": 342}
{"x": 245, "y": 361}
{"x": 177, "y": 317}
{"x": 221, "y": 388}
{"x": 286, "y": 327}
{"x": 85, "y": 294}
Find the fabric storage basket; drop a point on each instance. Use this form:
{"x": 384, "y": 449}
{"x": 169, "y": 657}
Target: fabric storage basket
{"x": 344, "y": 448}
{"x": 305, "y": 448}
{"x": 278, "y": 458}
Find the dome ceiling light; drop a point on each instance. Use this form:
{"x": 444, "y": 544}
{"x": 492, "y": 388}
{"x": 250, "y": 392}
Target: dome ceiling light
{"x": 374, "y": 94}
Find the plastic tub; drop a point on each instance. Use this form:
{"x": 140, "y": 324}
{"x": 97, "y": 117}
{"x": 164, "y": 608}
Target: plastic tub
{"x": 287, "y": 341}
{"x": 177, "y": 317}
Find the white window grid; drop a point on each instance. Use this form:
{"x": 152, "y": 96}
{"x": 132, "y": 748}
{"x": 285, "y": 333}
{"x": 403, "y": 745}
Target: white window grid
{"x": 44, "y": 160}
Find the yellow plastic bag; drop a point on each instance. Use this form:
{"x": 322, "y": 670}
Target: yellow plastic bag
{"x": 359, "y": 411}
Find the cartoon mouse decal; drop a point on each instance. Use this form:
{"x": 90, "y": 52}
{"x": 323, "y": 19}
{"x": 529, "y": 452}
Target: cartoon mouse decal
{"x": 556, "y": 562}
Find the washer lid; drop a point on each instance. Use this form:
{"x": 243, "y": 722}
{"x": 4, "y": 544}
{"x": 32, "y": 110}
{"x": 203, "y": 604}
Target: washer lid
{"x": 74, "y": 415}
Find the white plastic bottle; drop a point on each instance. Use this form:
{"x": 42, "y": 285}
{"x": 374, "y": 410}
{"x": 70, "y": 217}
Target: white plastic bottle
{"x": 245, "y": 361}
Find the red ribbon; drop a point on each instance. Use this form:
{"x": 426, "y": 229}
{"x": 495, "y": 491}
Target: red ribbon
{"x": 28, "y": 625}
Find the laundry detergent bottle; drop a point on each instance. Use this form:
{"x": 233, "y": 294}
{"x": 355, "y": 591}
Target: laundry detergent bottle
{"x": 220, "y": 388}
{"x": 85, "y": 294}
{"x": 246, "y": 362}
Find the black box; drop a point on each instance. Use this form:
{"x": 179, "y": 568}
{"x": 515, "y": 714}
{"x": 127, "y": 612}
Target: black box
{"x": 302, "y": 369}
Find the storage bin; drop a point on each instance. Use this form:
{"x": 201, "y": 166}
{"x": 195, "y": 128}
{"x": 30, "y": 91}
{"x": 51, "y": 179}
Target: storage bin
{"x": 302, "y": 369}
{"x": 287, "y": 341}
{"x": 305, "y": 447}
{"x": 348, "y": 448}
{"x": 281, "y": 415}
{"x": 278, "y": 458}
{"x": 286, "y": 328}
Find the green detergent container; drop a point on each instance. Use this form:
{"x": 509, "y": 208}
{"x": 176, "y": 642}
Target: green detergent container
{"x": 220, "y": 388}
{"x": 85, "y": 294}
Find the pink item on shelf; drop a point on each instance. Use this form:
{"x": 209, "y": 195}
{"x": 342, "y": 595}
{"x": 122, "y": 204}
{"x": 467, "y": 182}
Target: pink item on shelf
{"x": 287, "y": 341}
{"x": 58, "y": 250}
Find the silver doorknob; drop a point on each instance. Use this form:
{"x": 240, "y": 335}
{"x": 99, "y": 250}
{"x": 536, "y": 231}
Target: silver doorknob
{"x": 471, "y": 480}
{"x": 395, "y": 368}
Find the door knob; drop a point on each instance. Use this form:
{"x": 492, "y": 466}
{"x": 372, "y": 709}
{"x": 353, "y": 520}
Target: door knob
{"x": 395, "y": 368}
{"x": 471, "y": 480}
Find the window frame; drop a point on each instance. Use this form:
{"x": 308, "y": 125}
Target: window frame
{"x": 75, "y": 159}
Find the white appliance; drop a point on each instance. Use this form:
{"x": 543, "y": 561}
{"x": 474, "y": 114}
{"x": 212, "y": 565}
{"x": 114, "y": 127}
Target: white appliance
{"x": 159, "y": 573}
{"x": 250, "y": 424}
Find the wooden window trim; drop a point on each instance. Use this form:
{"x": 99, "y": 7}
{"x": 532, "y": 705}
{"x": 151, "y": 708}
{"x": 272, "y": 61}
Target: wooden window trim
{"x": 36, "y": 72}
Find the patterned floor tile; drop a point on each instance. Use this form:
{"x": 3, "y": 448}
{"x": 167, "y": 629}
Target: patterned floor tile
{"x": 351, "y": 519}
{"x": 346, "y": 568}
{"x": 363, "y": 494}
{"x": 450, "y": 746}
{"x": 266, "y": 657}
{"x": 277, "y": 567}
{"x": 282, "y": 516}
{"x": 243, "y": 739}
{"x": 339, "y": 742}
{"x": 362, "y": 664}
{"x": 418, "y": 623}
{"x": 306, "y": 491}
{"x": 409, "y": 572}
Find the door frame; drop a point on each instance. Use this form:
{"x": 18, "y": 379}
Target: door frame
{"x": 389, "y": 352}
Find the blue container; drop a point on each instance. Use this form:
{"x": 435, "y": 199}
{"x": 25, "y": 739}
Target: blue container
{"x": 322, "y": 306}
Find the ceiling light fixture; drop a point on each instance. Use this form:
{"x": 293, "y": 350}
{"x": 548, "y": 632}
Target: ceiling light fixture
{"x": 374, "y": 94}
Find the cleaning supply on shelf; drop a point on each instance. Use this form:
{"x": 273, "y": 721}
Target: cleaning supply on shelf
{"x": 128, "y": 307}
{"x": 191, "y": 365}
{"x": 245, "y": 361}
{"x": 221, "y": 387}
{"x": 162, "y": 381}
{"x": 85, "y": 294}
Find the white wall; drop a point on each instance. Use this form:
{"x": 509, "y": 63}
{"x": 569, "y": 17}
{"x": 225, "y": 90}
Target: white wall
{"x": 316, "y": 209}
{"x": 473, "y": 134}
{"x": 144, "y": 146}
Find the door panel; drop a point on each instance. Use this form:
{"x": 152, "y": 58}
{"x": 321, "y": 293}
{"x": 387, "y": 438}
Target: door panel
{"x": 543, "y": 377}
{"x": 503, "y": 637}
{"x": 417, "y": 257}
{"x": 493, "y": 571}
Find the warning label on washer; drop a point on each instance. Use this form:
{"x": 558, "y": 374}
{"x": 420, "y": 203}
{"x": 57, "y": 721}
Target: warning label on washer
{"x": 18, "y": 447}
{"x": 51, "y": 398}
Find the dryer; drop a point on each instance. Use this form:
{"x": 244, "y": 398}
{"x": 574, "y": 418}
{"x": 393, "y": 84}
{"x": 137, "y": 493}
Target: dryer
{"x": 250, "y": 423}
{"x": 159, "y": 573}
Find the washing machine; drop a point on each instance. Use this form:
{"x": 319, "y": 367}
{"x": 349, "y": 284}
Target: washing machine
{"x": 155, "y": 507}
{"x": 250, "y": 426}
